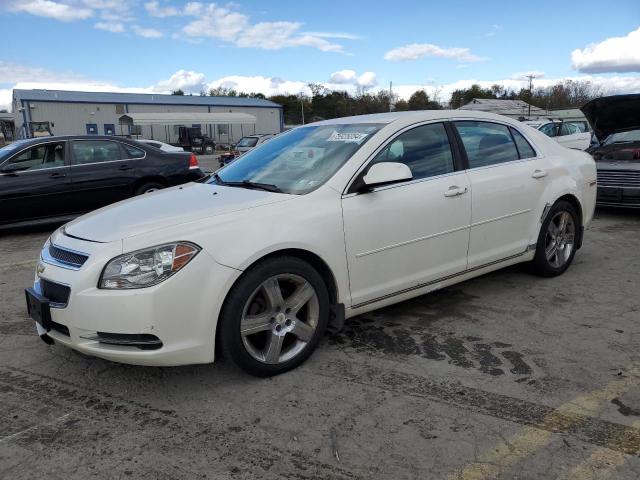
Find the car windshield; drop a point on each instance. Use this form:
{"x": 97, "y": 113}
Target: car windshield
{"x": 623, "y": 137}
{"x": 8, "y": 150}
{"x": 247, "y": 142}
{"x": 300, "y": 160}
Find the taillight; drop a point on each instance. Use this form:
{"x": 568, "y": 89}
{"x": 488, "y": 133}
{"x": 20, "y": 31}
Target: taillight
{"x": 193, "y": 161}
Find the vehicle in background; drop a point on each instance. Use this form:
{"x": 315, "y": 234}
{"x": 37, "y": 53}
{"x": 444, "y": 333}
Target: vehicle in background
{"x": 40, "y": 129}
{"x": 325, "y": 222}
{"x": 53, "y": 178}
{"x": 616, "y": 148}
{"x": 165, "y": 147}
{"x": 192, "y": 139}
{"x": 246, "y": 144}
{"x": 568, "y": 134}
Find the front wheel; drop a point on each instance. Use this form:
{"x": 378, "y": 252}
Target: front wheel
{"x": 274, "y": 316}
{"x": 208, "y": 149}
{"x": 557, "y": 241}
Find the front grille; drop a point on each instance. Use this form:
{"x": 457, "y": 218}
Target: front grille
{"x": 143, "y": 341}
{"x": 67, "y": 257}
{"x": 55, "y": 292}
{"x": 619, "y": 178}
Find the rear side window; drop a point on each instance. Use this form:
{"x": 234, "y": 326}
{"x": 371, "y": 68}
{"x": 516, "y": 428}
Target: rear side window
{"x": 133, "y": 152}
{"x": 486, "y": 143}
{"x": 425, "y": 150}
{"x": 524, "y": 148}
{"x": 95, "y": 151}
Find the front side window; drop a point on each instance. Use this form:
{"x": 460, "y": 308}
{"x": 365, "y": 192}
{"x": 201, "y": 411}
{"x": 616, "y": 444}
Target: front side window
{"x": 50, "y": 155}
{"x": 568, "y": 129}
{"x": 95, "y": 151}
{"x": 549, "y": 129}
{"x": 300, "y": 160}
{"x": 486, "y": 143}
{"x": 425, "y": 150}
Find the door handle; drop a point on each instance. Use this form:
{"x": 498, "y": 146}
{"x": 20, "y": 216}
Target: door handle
{"x": 57, "y": 175}
{"x": 539, "y": 174}
{"x": 124, "y": 168}
{"x": 455, "y": 191}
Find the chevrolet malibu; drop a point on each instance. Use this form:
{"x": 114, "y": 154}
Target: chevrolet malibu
{"x": 321, "y": 223}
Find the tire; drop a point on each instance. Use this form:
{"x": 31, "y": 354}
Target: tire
{"x": 266, "y": 334}
{"x": 148, "y": 187}
{"x": 557, "y": 241}
{"x": 208, "y": 149}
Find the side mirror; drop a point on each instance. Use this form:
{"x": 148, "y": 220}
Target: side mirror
{"x": 387, "y": 172}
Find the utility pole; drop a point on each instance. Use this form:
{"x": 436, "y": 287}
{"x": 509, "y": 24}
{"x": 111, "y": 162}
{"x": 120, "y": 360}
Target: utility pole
{"x": 390, "y": 96}
{"x": 302, "y": 109}
{"x": 530, "y": 77}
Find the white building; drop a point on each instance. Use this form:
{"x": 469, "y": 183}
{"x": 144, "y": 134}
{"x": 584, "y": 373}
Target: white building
{"x": 87, "y": 113}
{"x": 517, "y": 109}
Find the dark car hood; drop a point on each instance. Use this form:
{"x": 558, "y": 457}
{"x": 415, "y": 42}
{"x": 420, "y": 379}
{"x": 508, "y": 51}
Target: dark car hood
{"x": 613, "y": 114}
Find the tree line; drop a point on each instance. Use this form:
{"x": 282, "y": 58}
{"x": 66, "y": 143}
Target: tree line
{"x": 324, "y": 103}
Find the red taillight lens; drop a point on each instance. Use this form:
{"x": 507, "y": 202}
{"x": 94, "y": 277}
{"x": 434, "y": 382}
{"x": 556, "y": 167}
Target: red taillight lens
{"x": 193, "y": 161}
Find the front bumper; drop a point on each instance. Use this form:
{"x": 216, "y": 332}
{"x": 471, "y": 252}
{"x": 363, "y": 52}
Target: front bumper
{"x": 180, "y": 312}
{"x": 620, "y": 196}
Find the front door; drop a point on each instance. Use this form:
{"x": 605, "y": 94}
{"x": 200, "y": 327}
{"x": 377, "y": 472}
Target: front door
{"x": 400, "y": 237}
{"x": 507, "y": 180}
{"x": 35, "y": 183}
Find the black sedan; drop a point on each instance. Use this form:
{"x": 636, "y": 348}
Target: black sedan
{"x": 53, "y": 178}
{"x": 616, "y": 148}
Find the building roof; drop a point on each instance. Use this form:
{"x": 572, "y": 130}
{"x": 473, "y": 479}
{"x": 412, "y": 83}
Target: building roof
{"x": 503, "y": 107}
{"x": 139, "y": 98}
{"x": 187, "y": 117}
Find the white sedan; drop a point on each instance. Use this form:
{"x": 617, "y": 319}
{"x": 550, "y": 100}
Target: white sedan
{"x": 568, "y": 134}
{"x": 165, "y": 147}
{"x": 321, "y": 223}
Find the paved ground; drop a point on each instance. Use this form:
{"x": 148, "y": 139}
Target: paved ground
{"x": 506, "y": 376}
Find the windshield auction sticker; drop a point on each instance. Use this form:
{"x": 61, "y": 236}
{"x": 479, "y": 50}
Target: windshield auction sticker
{"x": 347, "y": 137}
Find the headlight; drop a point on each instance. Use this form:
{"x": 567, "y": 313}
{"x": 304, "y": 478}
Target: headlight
{"x": 147, "y": 267}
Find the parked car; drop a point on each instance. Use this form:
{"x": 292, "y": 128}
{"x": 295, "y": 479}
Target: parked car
{"x": 567, "y": 134}
{"x": 324, "y": 222}
{"x": 52, "y": 178}
{"x": 165, "y": 147}
{"x": 246, "y": 144}
{"x": 616, "y": 148}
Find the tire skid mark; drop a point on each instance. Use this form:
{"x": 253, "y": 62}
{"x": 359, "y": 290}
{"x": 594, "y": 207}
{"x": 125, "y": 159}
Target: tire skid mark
{"x": 602, "y": 433}
{"x": 100, "y": 410}
{"x": 390, "y": 338}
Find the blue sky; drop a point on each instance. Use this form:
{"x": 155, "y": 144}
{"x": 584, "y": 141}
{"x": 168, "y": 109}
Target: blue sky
{"x": 280, "y": 46}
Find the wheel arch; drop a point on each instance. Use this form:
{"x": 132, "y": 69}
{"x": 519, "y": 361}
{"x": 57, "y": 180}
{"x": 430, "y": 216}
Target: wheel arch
{"x": 150, "y": 179}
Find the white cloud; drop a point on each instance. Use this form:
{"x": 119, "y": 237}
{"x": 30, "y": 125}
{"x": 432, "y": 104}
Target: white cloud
{"x": 156, "y": 10}
{"x": 343, "y": 76}
{"x": 188, "y": 81}
{"x": 258, "y": 83}
{"x": 341, "y": 35}
{"x": 110, "y": 27}
{"x": 415, "y": 51}
{"x": 225, "y": 23}
{"x": 616, "y": 54}
{"x": 13, "y": 73}
{"x": 367, "y": 80}
{"x": 147, "y": 32}
{"x": 48, "y": 8}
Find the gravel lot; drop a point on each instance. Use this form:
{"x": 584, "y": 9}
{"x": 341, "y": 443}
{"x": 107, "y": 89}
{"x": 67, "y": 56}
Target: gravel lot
{"x": 505, "y": 376}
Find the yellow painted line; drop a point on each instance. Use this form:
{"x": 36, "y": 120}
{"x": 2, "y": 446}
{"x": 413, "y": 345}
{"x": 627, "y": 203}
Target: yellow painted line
{"x": 492, "y": 463}
{"x": 600, "y": 465}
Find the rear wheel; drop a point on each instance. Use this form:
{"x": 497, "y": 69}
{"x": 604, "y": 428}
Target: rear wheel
{"x": 557, "y": 241}
{"x": 274, "y": 316}
{"x": 208, "y": 148}
{"x": 148, "y": 187}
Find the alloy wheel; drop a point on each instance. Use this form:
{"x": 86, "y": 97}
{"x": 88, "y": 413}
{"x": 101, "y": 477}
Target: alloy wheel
{"x": 560, "y": 239}
{"x": 279, "y": 318}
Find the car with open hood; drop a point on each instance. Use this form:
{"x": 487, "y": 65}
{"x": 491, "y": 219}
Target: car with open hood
{"x": 322, "y": 223}
{"x": 616, "y": 148}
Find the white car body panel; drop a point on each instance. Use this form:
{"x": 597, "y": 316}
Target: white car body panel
{"x": 394, "y": 243}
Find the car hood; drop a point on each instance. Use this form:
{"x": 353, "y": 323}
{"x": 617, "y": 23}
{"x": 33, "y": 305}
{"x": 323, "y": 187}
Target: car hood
{"x": 613, "y": 114}
{"x": 165, "y": 208}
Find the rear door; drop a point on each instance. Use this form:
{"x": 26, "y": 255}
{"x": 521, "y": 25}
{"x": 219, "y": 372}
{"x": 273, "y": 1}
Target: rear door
{"x": 35, "y": 183}
{"x": 507, "y": 180}
{"x": 101, "y": 173}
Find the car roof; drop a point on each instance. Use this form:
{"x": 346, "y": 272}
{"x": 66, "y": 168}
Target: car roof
{"x": 53, "y": 138}
{"x": 417, "y": 116}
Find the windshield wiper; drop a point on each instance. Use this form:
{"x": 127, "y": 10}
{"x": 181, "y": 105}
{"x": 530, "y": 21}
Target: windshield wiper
{"x": 254, "y": 185}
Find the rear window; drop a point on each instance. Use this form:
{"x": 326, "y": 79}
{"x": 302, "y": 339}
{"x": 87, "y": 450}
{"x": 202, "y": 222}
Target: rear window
{"x": 486, "y": 143}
